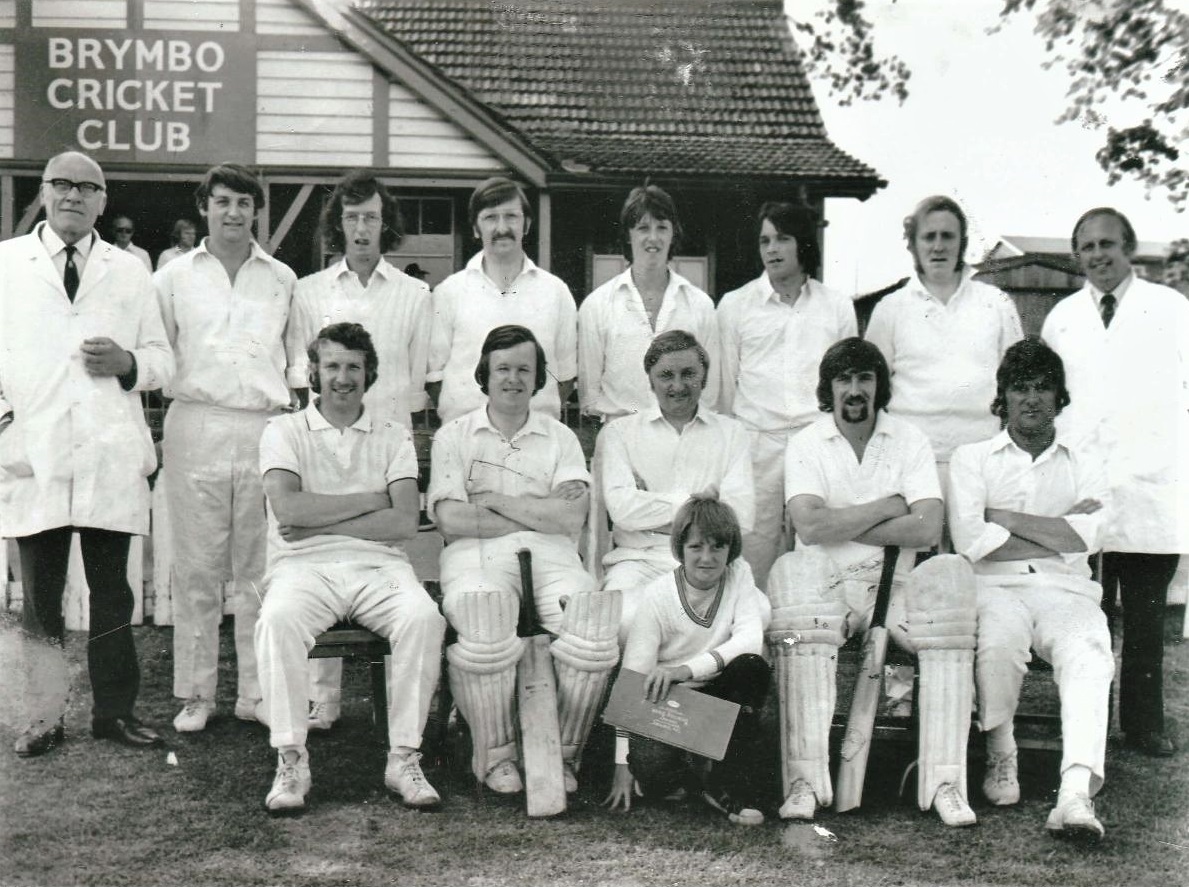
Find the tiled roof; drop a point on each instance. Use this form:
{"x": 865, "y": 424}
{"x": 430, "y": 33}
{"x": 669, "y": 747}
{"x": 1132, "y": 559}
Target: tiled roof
{"x": 629, "y": 86}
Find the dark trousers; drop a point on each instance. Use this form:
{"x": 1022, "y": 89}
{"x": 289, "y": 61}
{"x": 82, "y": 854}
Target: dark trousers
{"x": 1141, "y": 582}
{"x": 745, "y": 681}
{"x": 111, "y": 652}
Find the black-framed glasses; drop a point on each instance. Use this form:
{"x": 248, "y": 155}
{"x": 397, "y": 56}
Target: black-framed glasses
{"x": 62, "y": 187}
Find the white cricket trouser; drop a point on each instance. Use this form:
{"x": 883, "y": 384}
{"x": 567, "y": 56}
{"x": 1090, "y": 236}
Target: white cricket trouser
{"x": 1068, "y": 630}
{"x": 630, "y": 574}
{"x": 767, "y": 541}
{"x": 216, "y": 509}
{"x": 384, "y": 596}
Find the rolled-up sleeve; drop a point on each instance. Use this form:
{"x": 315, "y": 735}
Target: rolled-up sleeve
{"x": 974, "y": 537}
{"x": 155, "y": 364}
{"x": 1090, "y": 477}
{"x": 447, "y": 479}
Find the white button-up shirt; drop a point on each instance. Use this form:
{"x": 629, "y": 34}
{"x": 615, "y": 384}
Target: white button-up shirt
{"x": 649, "y": 470}
{"x": 614, "y": 332}
{"x": 897, "y": 461}
{"x": 470, "y": 456}
{"x": 78, "y": 450}
{"x": 997, "y": 473}
{"x": 1129, "y": 392}
{"x": 468, "y": 305}
{"x": 393, "y": 307}
{"x": 363, "y": 458}
{"x": 943, "y": 358}
{"x": 228, "y": 338}
{"x": 770, "y": 351}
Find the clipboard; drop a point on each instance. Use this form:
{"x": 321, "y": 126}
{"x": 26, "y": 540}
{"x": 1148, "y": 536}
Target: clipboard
{"x": 687, "y": 719}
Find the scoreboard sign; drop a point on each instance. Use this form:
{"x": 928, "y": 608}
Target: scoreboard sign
{"x": 126, "y": 97}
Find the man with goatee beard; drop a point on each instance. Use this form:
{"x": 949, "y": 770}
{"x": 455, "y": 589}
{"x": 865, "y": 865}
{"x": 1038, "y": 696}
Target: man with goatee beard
{"x": 858, "y": 480}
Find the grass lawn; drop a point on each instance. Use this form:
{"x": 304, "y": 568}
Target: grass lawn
{"x": 95, "y": 813}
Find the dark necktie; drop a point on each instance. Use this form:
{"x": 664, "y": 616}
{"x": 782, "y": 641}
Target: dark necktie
{"x": 1107, "y": 307}
{"x": 70, "y": 275}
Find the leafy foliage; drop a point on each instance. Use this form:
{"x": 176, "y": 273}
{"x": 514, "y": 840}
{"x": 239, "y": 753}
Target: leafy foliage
{"x": 1127, "y": 62}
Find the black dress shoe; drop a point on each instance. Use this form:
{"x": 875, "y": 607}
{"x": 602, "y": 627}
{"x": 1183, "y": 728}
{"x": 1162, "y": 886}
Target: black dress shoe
{"x": 126, "y": 731}
{"x": 37, "y": 739}
{"x": 1152, "y": 744}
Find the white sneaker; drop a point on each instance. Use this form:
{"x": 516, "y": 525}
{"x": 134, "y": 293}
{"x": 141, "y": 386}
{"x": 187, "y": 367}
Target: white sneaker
{"x": 801, "y": 802}
{"x": 403, "y": 776}
{"x": 1001, "y": 785}
{"x": 323, "y": 715}
{"x": 569, "y": 777}
{"x": 503, "y": 778}
{"x": 1073, "y": 817}
{"x": 251, "y": 710}
{"x": 194, "y": 715}
{"x": 952, "y": 807}
{"x": 291, "y": 784}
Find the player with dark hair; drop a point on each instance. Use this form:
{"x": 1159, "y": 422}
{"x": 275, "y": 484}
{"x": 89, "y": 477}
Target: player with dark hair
{"x": 499, "y": 285}
{"x": 1027, "y": 509}
{"x": 619, "y": 319}
{"x": 505, "y": 477}
{"x": 773, "y": 332}
{"x": 225, "y": 305}
{"x": 859, "y": 480}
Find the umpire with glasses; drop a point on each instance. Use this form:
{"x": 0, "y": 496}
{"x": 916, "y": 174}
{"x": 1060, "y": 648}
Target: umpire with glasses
{"x": 81, "y": 337}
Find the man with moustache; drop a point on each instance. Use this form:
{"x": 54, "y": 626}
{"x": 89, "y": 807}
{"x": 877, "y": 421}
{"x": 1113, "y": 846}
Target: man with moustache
{"x": 943, "y": 334}
{"x": 1125, "y": 344}
{"x": 342, "y": 497}
{"x": 654, "y": 461}
{"x": 1026, "y": 508}
{"x": 499, "y": 285}
{"x": 857, "y": 480}
{"x": 81, "y": 337}
{"x": 225, "y": 305}
{"x": 362, "y": 222}
{"x": 772, "y": 334}
{"x": 505, "y": 477}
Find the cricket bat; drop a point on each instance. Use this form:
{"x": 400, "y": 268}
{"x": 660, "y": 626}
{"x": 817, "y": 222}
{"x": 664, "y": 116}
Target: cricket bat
{"x": 856, "y": 744}
{"x": 536, "y": 693}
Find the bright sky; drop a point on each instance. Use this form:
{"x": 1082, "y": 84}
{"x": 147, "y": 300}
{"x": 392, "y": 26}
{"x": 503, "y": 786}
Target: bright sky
{"x": 978, "y": 126}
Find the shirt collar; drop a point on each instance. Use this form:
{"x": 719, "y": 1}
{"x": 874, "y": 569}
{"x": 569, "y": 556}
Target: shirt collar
{"x": 917, "y": 285}
{"x": 476, "y": 264}
{"x": 54, "y": 244}
{"x": 830, "y": 427}
{"x": 623, "y": 280}
{"x": 653, "y": 414}
{"x": 769, "y": 293}
{"x": 315, "y": 421}
{"x": 255, "y": 251}
{"x": 384, "y": 269}
{"x": 1118, "y": 292}
{"x": 1002, "y": 441}
{"x": 534, "y": 425}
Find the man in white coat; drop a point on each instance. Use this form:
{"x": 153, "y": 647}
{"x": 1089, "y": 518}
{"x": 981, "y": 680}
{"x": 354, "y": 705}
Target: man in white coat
{"x": 81, "y": 337}
{"x": 1125, "y": 344}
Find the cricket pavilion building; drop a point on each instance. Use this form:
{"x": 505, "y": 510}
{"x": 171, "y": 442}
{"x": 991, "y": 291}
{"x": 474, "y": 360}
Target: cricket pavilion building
{"x": 578, "y": 99}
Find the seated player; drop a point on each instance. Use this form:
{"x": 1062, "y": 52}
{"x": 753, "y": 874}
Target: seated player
{"x": 1026, "y": 508}
{"x": 504, "y": 478}
{"x": 857, "y": 480}
{"x": 342, "y": 496}
{"x": 701, "y": 624}
{"x": 653, "y": 461}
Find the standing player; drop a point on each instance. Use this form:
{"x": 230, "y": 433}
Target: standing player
{"x": 361, "y": 221}
{"x": 499, "y": 285}
{"x": 773, "y": 333}
{"x": 225, "y": 305}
